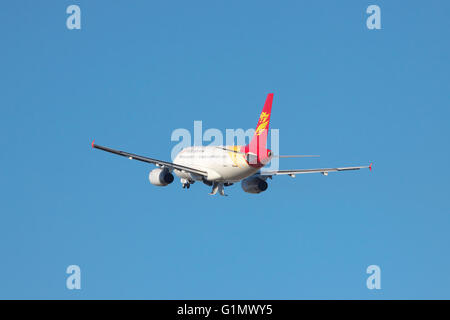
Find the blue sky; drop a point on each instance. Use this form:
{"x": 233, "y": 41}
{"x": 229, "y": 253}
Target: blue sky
{"x": 138, "y": 70}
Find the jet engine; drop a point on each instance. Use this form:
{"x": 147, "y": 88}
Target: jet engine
{"x": 254, "y": 185}
{"x": 160, "y": 177}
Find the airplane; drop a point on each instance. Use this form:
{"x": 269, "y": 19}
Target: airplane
{"x": 222, "y": 166}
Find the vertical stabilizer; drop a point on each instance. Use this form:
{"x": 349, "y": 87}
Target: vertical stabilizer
{"x": 258, "y": 144}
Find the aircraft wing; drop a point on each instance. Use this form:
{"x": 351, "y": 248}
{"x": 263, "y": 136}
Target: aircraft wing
{"x": 156, "y": 162}
{"x": 324, "y": 171}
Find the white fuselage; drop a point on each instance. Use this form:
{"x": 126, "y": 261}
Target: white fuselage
{"x": 221, "y": 165}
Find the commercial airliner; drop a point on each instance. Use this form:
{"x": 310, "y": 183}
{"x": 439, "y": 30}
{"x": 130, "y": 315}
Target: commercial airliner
{"x": 222, "y": 166}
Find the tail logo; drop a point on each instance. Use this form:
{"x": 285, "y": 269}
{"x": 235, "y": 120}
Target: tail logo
{"x": 263, "y": 123}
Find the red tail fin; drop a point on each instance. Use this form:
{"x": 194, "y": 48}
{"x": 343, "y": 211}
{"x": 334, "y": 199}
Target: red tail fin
{"x": 259, "y": 141}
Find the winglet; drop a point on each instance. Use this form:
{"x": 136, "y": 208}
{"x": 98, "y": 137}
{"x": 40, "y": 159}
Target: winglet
{"x": 93, "y": 142}
{"x": 370, "y": 167}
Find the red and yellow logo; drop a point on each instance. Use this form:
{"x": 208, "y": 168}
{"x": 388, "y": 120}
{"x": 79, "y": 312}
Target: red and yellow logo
{"x": 262, "y": 123}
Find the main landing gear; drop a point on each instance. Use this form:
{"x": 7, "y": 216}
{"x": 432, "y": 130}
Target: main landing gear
{"x": 218, "y": 186}
{"x": 186, "y": 184}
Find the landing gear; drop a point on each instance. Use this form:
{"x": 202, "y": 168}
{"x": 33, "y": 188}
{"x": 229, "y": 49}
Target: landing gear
{"x": 186, "y": 184}
{"x": 217, "y": 186}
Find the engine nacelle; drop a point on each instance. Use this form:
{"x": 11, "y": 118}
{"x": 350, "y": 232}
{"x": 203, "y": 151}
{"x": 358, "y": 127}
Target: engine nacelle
{"x": 254, "y": 185}
{"x": 160, "y": 177}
